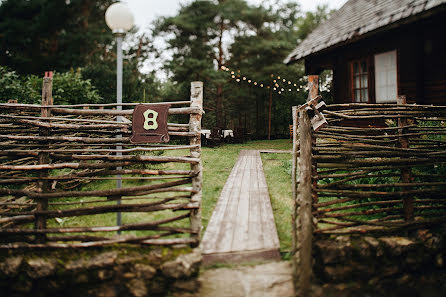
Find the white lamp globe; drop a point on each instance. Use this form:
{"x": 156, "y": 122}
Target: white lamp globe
{"x": 119, "y": 18}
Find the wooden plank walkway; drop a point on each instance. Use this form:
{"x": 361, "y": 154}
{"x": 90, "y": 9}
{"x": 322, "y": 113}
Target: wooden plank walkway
{"x": 242, "y": 225}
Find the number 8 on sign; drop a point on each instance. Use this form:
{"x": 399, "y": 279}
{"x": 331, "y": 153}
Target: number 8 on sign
{"x": 152, "y": 120}
{"x": 149, "y": 123}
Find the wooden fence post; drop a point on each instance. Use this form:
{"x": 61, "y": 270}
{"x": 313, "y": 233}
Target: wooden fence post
{"x": 196, "y": 91}
{"x": 406, "y": 173}
{"x": 305, "y": 196}
{"x": 44, "y": 157}
{"x": 304, "y": 203}
{"x": 313, "y": 90}
{"x": 294, "y": 191}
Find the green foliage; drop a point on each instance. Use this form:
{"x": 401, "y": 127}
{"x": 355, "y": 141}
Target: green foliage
{"x": 68, "y": 88}
{"x": 71, "y": 88}
{"x": 42, "y": 35}
{"x": 206, "y": 35}
{"x": 13, "y": 86}
{"x": 45, "y": 35}
{"x": 135, "y": 84}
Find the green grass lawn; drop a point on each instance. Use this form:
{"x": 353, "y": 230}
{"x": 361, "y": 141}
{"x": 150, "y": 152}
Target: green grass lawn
{"x": 217, "y": 165}
{"x": 277, "y": 169}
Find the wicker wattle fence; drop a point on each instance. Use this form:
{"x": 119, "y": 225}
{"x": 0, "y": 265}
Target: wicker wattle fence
{"x": 380, "y": 179}
{"x": 58, "y": 169}
{"x": 374, "y": 169}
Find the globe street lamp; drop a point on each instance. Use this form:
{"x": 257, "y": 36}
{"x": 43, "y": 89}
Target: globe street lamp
{"x": 119, "y": 19}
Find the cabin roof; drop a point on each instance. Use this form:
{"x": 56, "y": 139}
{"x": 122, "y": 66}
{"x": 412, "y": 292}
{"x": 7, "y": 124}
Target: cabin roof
{"x": 356, "y": 18}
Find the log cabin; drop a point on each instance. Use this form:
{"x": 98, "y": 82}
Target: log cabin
{"x": 379, "y": 49}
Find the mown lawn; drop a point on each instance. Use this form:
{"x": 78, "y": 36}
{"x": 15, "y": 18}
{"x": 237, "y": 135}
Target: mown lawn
{"x": 277, "y": 168}
{"x": 217, "y": 165}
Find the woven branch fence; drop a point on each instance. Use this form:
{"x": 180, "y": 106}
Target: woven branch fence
{"x": 60, "y": 166}
{"x": 374, "y": 169}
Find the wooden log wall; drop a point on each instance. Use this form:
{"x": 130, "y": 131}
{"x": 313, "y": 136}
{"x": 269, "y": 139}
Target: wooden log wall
{"x": 58, "y": 171}
{"x": 380, "y": 168}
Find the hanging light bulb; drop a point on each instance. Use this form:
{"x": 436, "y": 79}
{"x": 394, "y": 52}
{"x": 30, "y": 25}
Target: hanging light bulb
{"x": 282, "y": 89}
{"x": 295, "y": 85}
{"x": 249, "y": 81}
{"x": 232, "y": 72}
{"x": 255, "y": 83}
{"x": 289, "y": 82}
{"x": 244, "y": 78}
{"x": 280, "y": 92}
{"x": 289, "y": 90}
{"x": 238, "y": 79}
{"x": 284, "y": 80}
{"x": 278, "y": 77}
{"x": 233, "y": 76}
{"x": 261, "y": 85}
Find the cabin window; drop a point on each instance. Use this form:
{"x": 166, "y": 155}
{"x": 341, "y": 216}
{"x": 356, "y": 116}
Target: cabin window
{"x": 360, "y": 81}
{"x": 386, "y": 77}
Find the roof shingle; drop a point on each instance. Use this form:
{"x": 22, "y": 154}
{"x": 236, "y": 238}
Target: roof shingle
{"x": 356, "y": 18}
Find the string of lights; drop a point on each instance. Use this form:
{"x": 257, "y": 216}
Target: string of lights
{"x": 278, "y": 83}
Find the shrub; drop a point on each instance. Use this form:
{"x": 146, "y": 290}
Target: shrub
{"x": 68, "y": 88}
{"x": 12, "y": 86}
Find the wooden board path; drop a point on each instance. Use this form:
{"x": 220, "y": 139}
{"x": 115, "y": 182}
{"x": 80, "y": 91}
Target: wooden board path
{"x": 242, "y": 225}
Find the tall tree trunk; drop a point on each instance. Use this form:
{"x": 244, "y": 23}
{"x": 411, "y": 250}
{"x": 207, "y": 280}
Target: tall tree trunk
{"x": 220, "y": 62}
{"x": 269, "y": 111}
{"x": 219, "y": 107}
{"x": 257, "y": 118}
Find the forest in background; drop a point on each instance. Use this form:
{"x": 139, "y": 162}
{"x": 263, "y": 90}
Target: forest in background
{"x": 235, "y": 48}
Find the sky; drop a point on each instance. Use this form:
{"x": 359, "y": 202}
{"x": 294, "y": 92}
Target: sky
{"x": 145, "y": 11}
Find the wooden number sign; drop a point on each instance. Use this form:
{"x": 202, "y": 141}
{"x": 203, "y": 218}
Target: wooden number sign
{"x": 149, "y": 123}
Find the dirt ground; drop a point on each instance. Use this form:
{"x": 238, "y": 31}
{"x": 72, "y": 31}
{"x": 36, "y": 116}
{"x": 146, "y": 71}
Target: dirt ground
{"x": 265, "y": 280}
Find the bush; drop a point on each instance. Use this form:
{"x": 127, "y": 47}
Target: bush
{"x": 68, "y": 88}
{"x": 12, "y": 86}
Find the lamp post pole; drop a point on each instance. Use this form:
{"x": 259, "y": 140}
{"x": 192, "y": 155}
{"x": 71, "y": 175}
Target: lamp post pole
{"x": 119, "y": 19}
{"x": 119, "y": 38}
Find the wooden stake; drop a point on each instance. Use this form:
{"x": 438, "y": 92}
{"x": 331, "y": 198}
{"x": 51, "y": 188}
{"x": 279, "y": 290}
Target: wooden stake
{"x": 305, "y": 202}
{"x": 406, "y": 173}
{"x": 196, "y": 97}
{"x": 313, "y": 89}
{"x": 44, "y": 157}
{"x": 294, "y": 191}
